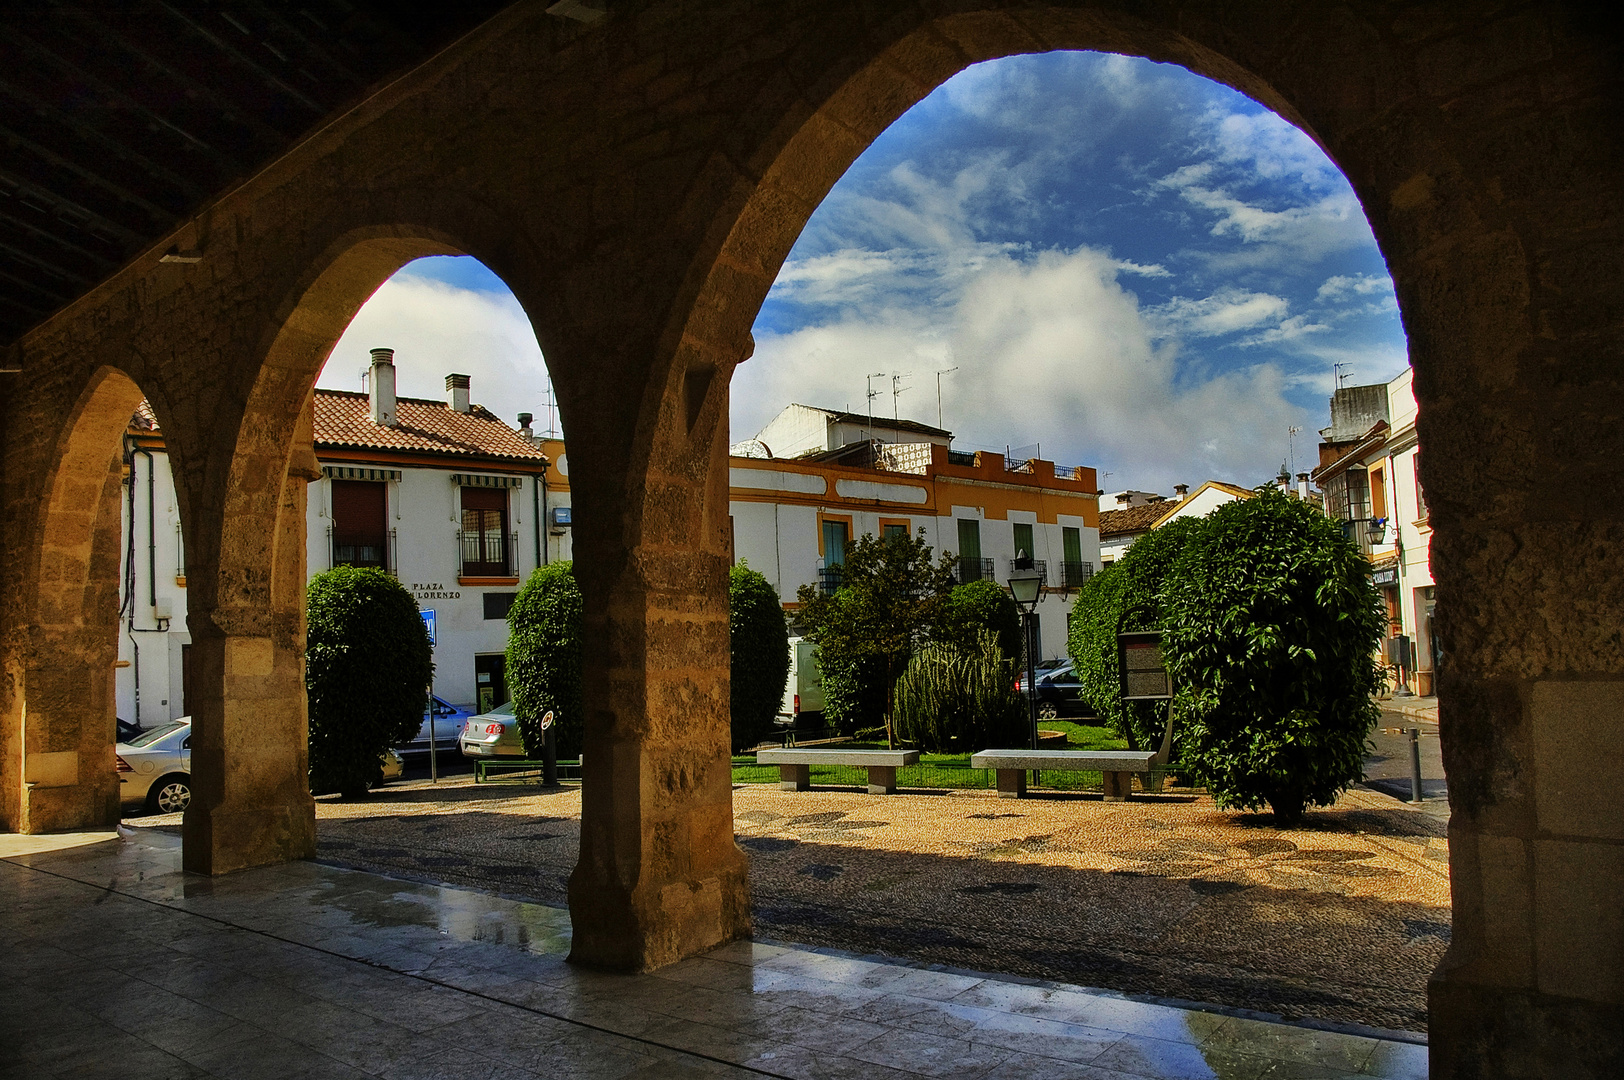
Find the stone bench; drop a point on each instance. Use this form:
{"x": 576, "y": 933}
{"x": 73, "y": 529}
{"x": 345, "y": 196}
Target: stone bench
{"x": 795, "y": 766}
{"x": 1118, "y": 766}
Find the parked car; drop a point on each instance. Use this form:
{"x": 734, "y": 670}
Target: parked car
{"x": 128, "y": 730}
{"x": 1044, "y": 668}
{"x": 803, "y": 689}
{"x": 449, "y": 720}
{"x": 1060, "y": 693}
{"x": 492, "y": 734}
{"x": 155, "y": 768}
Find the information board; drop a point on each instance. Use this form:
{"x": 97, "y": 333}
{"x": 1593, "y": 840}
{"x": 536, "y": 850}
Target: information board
{"x": 1143, "y": 670}
{"x": 428, "y": 623}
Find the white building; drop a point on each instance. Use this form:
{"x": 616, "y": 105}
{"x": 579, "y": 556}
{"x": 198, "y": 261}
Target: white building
{"x": 441, "y": 494}
{"x": 1368, "y": 473}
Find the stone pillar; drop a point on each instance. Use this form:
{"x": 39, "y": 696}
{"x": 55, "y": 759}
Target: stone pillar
{"x": 251, "y": 803}
{"x": 660, "y": 877}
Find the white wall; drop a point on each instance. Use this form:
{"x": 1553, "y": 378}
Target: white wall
{"x": 143, "y": 650}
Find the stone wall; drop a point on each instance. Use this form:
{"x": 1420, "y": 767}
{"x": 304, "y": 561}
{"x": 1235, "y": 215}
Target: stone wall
{"x": 638, "y": 183}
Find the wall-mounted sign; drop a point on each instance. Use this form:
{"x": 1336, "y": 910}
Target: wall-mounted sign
{"x": 561, "y": 515}
{"x": 428, "y": 624}
{"x": 1386, "y": 576}
{"x": 1142, "y": 669}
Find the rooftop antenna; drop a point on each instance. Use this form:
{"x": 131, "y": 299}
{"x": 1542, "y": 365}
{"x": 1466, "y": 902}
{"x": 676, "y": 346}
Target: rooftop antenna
{"x": 1336, "y": 371}
{"x": 896, "y": 390}
{"x": 939, "y": 374}
{"x": 1291, "y": 446}
{"x": 872, "y": 394}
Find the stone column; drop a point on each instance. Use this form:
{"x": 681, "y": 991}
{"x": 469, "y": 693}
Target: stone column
{"x": 660, "y": 877}
{"x": 251, "y": 803}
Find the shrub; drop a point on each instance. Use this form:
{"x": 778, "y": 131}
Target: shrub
{"x": 759, "y": 652}
{"x": 544, "y": 658}
{"x": 889, "y": 598}
{"x": 1271, "y": 620}
{"x": 962, "y": 698}
{"x": 976, "y": 606}
{"x": 367, "y": 671}
{"x": 1123, "y": 598}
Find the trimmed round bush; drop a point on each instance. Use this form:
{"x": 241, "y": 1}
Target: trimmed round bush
{"x": 1123, "y": 598}
{"x": 1271, "y": 622}
{"x": 981, "y": 605}
{"x": 759, "y": 652}
{"x": 544, "y": 659}
{"x": 367, "y": 669}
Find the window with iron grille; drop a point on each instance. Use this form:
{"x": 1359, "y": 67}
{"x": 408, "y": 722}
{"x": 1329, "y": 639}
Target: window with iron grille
{"x": 360, "y": 523}
{"x": 484, "y": 532}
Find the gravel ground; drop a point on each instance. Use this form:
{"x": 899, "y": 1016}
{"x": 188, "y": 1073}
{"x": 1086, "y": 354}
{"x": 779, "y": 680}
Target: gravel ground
{"x": 1341, "y": 919}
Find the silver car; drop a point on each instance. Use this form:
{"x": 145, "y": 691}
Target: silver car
{"x": 155, "y": 768}
{"x": 492, "y": 734}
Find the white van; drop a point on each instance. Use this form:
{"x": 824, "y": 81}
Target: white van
{"x": 803, "y": 691}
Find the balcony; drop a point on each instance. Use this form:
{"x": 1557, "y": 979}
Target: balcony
{"x": 487, "y": 553}
{"x": 1074, "y": 575}
{"x": 828, "y": 579}
{"x": 378, "y": 551}
{"x": 974, "y": 570}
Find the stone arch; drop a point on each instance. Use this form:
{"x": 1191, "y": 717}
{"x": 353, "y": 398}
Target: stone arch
{"x": 59, "y": 774}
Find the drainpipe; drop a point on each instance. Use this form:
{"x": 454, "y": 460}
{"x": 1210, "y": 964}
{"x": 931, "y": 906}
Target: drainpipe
{"x": 537, "y": 502}
{"x": 546, "y": 551}
{"x": 152, "y": 535}
{"x": 129, "y": 582}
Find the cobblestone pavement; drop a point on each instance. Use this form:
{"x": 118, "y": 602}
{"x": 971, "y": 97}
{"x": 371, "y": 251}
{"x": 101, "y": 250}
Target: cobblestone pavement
{"x": 1341, "y": 919}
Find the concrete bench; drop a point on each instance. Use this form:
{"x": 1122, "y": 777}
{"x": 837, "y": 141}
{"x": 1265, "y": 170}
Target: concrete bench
{"x": 1118, "y": 766}
{"x": 795, "y": 766}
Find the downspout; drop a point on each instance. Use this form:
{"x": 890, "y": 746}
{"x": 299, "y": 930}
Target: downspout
{"x": 152, "y": 535}
{"x": 542, "y": 543}
{"x": 129, "y": 582}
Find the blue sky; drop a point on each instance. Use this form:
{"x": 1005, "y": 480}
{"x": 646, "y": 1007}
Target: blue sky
{"x": 1136, "y": 268}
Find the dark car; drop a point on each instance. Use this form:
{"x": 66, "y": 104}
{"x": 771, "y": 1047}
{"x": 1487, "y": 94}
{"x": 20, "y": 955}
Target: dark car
{"x": 1060, "y": 694}
{"x": 128, "y": 730}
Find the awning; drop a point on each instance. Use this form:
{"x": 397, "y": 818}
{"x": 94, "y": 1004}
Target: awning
{"x": 481, "y": 480}
{"x": 351, "y": 472}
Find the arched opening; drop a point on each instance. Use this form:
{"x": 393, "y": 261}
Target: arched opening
{"x": 786, "y": 205}
{"x": 65, "y": 769}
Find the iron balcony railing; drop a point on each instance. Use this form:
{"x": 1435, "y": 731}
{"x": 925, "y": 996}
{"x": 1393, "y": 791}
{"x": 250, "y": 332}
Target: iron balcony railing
{"x": 1039, "y": 566}
{"x": 828, "y": 579}
{"x": 476, "y": 557}
{"x": 380, "y": 554}
{"x": 1074, "y": 574}
{"x": 974, "y": 570}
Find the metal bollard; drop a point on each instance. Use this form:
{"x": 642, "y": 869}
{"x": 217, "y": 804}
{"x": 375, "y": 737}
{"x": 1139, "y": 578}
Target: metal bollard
{"x": 549, "y": 757}
{"x": 1415, "y": 764}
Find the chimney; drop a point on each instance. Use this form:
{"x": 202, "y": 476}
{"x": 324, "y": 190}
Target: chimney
{"x": 458, "y": 385}
{"x": 382, "y": 388}
{"x": 1302, "y": 486}
{"x": 1181, "y": 490}
{"x": 524, "y": 428}
{"x": 1124, "y": 499}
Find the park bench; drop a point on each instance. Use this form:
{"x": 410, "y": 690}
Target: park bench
{"x": 1117, "y": 766}
{"x": 795, "y": 766}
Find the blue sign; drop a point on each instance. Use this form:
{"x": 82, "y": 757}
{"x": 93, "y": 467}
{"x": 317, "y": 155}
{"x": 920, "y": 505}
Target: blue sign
{"x": 561, "y": 515}
{"x": 428, "y": 624}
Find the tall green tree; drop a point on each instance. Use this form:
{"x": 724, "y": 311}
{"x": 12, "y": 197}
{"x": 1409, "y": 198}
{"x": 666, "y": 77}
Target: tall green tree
{"x": 759, "y": 651}
{"x": 1271, "y": 621}
{"x": 367, "y": 669}
{"x": 978, "y": 606}
{"x": 1125, "y": 597}
{"x": 543, "y": 665}
{"x": 890, "y": 597}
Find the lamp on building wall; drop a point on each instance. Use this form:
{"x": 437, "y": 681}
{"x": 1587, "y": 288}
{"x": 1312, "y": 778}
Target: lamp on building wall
{"x": 1026, "y": 586}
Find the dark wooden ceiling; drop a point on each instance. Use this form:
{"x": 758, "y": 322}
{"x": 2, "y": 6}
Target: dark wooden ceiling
{"x": 118, "y": 120}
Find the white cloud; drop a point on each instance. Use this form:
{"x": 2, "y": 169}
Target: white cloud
{"x": 1224, "y": 312}
{"x": 1342, "y": 285}
{"x": 1050, "y": 349}
{"x": 436, "y": 329}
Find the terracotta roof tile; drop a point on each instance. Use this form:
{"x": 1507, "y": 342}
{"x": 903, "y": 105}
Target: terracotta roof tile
{"x": 1133, "y": 519}
{"x": 344, "y": 419}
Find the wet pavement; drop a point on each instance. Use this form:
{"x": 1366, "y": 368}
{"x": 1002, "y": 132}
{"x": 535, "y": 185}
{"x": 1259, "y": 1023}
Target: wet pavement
{"x": 1388, "y": 765}
{"x": 119, "y": 965}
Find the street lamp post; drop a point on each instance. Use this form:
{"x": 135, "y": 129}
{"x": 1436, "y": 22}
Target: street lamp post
{"x": 1026, "y": 586}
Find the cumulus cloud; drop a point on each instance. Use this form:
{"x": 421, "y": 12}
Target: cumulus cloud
{"x": 1051, "y": 349}
{"x": 435, "y": 329}
{"x": 1224, "y": 312}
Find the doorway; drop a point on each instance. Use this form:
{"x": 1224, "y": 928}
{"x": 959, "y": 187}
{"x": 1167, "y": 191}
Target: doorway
{"x": 490, "y": 681}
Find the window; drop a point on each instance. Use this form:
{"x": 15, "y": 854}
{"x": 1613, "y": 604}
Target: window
{"x": 360, "y": 532}
{"x": 497, "y": 604}
{"x": 889, "y": 529}
{"x": 972, "y": 567}
{"x": 1073, "y": 571}
{"x": 1378, "y": 493}
{"x": 484, "y": 532}
{"x": 1023, "y": 541}
{"x": 835, "y": 535}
